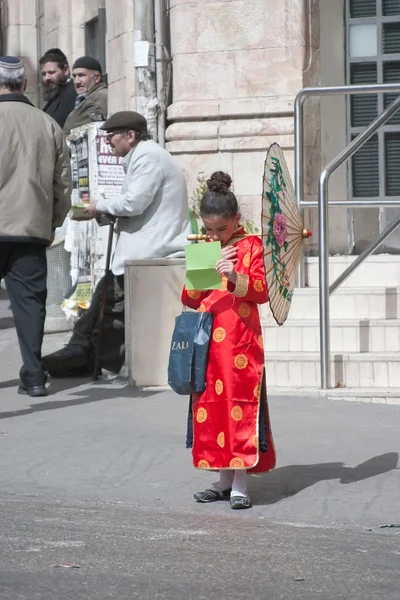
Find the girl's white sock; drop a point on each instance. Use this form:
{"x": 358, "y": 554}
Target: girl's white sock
{"x": 225, "y": 480}
{"x": 239, "y": 485}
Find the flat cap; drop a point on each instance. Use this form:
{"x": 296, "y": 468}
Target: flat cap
{"x": 126, "y": 119}
{"x": 10, "y": 62}
{"x": 87, "y": 62}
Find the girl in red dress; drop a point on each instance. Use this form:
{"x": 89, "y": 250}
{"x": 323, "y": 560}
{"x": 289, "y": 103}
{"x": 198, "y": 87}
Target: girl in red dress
{"x": 228, "y": 425}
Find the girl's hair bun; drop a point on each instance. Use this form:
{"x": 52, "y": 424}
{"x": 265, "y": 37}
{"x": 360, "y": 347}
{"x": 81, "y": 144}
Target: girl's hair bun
{"x": 219, "y": 182}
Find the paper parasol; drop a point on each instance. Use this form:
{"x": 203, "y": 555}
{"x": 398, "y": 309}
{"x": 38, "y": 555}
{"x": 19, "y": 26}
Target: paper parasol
{"x": 282, "y": 233}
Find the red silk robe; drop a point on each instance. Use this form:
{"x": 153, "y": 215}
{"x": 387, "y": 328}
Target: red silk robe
{"x": 226, "y": 416}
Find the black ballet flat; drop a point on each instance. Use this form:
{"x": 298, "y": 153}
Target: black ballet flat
{"x": 240, "y": 502}
{"x": 212, "y": 495}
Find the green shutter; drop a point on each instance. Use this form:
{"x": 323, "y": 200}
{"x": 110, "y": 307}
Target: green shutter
{"x": 391, "y": 8}
{"x": 364, "y": 109}
{"x": 362, "y": 8}
{"x": 365, "y": 169}
{"x": 391, "y": 74}
{"x": 391, "y": 38}
{"x": 392, "y": 171}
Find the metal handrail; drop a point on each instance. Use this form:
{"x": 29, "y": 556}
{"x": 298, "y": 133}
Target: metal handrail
{"x": 323, "y": 202}
{"x": 342, "y": 157}
{"x": 301, "y": 97}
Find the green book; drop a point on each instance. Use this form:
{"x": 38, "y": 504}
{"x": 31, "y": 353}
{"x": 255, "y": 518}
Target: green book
{"x": 201, "y": 260}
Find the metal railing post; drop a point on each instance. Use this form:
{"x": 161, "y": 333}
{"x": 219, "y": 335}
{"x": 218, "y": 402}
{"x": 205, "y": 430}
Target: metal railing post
{"x": 324, "y": 331}
{"x": 299, "y": 170}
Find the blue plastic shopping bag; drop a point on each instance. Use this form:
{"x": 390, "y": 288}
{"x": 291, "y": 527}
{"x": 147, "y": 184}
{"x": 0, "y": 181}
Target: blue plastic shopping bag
{"x": 188, "y": 356}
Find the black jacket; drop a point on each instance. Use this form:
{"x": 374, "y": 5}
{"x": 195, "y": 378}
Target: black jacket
{"x": 60, "y": 107}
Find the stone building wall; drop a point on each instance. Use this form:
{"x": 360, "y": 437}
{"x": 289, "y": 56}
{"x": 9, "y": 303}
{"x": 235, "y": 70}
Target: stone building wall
{"x": 237, "y": 67}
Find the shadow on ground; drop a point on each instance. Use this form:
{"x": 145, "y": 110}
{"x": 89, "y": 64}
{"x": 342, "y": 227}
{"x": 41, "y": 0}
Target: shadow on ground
{"x": 286, "y": 482}
{"x": 95, "y": 393}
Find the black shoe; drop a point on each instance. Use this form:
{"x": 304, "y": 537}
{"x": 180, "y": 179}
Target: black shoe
{"x": 71, "y": 360}
{"x": 212, "y": 495}
{"x": 239, "y": 502}
{"x": 35, "y": 391}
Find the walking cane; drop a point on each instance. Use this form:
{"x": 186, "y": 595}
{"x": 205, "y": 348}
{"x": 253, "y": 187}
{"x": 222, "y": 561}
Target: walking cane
{"x": 108, "y": 274}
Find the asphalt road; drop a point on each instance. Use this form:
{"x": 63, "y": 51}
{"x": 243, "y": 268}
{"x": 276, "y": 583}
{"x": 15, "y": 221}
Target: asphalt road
{"x": 97, "y": 476}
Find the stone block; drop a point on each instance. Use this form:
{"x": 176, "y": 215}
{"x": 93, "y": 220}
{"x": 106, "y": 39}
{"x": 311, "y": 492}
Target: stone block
{"x": 248, "y": 171}
{"x": 199, "y": 165}
{"x": 149, "y": 324}
{"x": 237, "y": 25}
{"x": 284, "y": 24}
{"x": 377, "y": 340}
{"x": 282, "y": 339}
{"x": 257, "y": 127}
{"x": 19, "y": 12}
{"x": 250, "y": 209}
{"x": 193, "y": 146}
{"x": 309, "y": 373}
{"x": 184, "y": 29}
{"x": 206, "y": 76}
{"x": 352, "y": 374}
{"x": 185, "y": 110}
{"x": 281, "y": 373}
{"x": 266, "y": 73}
{"x": 381, "y": 374}
{"x": 253, "y": 144}
{"x": 120, "y": 62}
{"x": 271, "y": 105}
{"x": 121, "y": 95}
{"x": 270, "y": 338}
{"x": 392, "y": 339}
{"x": 295, "y": 374}
{"x": 174, "y": 3}
{"x": 193, "y": 130}
{"x": 366, "y": 374}
{"x": 270, "y": 374}
{"x": 394, "y": 374}
{"x": 295, "y": 339}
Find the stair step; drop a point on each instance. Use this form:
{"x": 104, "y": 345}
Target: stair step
{"x": 365, "y": 395}
{"x": 347, "y": 335}
{"x": 353, "y": 369}
{"x": 345, "y": 303}
{"x": 379, "y": 270}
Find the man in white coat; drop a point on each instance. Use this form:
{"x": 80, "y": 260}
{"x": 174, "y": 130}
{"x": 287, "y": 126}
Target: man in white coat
{"x": 152, "y": 222}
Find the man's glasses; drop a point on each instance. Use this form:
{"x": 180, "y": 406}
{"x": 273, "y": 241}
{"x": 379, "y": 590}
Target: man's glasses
{"x": 110, "y": 135}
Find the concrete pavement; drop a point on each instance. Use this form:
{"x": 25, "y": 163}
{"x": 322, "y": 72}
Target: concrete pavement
{"x": 97, "y": 475}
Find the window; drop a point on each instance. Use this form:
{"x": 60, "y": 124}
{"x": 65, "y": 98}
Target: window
{"x": 95, "y": 38}
{"x": 373, "y": 56}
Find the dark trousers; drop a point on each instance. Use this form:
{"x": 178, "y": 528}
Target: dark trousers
{"x": 24, "y": 269}
{"x": 86, "y": 329}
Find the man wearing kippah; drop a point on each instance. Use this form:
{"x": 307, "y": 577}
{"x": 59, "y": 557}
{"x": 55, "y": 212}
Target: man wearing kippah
{"x": 152, "y": 222}
{"x": 35, "y": 192}
{"x": 59, "y": 91}
{"x": 92, "y": 94}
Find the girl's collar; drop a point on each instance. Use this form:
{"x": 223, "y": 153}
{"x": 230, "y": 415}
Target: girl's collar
{"x": 238, "y": 235}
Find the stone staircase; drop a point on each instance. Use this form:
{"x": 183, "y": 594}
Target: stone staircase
{"x": 365, "y": 332}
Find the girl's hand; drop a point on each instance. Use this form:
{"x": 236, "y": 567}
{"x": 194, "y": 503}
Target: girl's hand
{"x": 230, "y": 253}
{"x": 227, "y": 268}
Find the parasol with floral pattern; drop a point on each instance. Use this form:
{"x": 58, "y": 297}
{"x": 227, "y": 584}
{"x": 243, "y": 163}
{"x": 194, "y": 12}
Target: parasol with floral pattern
{"x": 282, "y": 233}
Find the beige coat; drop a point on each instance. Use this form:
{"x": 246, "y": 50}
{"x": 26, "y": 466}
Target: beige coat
{"x": 35, "y": 182}
{"x": 93, "y": 108}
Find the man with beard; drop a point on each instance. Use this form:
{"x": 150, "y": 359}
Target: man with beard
{"x": 59, "y": 90}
